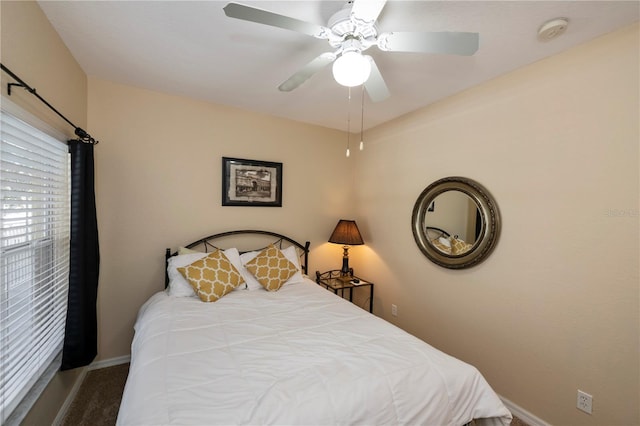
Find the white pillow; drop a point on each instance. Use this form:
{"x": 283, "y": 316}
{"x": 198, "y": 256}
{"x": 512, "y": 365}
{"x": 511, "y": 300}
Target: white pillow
{"x": 445, "y": 241}
{"x": 292, "y": 255}
{"x": 252, "y": 284}
{"x": 179, "y": 287}
{"x": 184, "y": 250}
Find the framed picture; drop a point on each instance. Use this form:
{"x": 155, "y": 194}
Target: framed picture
{"x": 251, "y": 183}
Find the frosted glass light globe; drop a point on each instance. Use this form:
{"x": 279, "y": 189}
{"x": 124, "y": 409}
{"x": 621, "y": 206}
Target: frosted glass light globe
{"x": 351, "y": 69}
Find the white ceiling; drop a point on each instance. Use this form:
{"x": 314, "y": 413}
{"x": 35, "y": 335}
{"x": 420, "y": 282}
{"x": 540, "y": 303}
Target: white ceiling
{"x": 191, "y": 48}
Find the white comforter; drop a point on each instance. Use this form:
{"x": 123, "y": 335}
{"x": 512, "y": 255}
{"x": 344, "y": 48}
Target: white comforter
{"x": 299, "y": 356}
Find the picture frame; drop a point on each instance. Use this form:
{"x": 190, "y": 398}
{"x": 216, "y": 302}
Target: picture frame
{"x": 251, "y": 183}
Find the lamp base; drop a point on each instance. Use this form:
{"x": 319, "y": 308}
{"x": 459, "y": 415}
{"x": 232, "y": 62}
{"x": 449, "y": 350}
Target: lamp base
{"x": 346, "y": 271}
{"x": 345, "y": 266}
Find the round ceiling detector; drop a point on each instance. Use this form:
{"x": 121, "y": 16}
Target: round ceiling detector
{"x": 552, "y": 29}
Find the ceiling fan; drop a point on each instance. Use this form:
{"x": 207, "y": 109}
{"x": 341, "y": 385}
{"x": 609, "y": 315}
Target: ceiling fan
{"x": 351, "y": 31}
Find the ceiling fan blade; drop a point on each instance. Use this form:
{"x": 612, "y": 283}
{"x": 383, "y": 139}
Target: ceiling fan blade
{"x": 453, "y": 43}
{"x": 367, "y": 10}
{"x": 260, "y": 16}
{"x": 375, "y": 85}
{"x": 307, "y": 71}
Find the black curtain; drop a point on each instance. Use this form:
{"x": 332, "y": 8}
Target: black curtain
{"x": 81, "y": 330}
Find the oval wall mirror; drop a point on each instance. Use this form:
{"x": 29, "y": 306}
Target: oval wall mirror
{"x": 455, "y": 222}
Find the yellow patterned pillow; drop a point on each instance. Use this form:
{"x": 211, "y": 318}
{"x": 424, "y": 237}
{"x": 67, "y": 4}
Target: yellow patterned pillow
{"x": 212, "y": 277}
{"x": 271, "y": 268}
{"x": 459, "y": 247}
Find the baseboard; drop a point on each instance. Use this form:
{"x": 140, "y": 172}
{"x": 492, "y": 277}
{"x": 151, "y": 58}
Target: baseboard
{"x": 109, "y": 362}
{"x": 72, "y": 395}
{"x": 76, "y": 386}
{"x": 523, "y": 414}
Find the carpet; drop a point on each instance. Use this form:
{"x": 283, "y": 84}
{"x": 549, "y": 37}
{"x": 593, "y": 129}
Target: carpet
{"x": 98, "y": 399}
{"x": 99, "y": 396}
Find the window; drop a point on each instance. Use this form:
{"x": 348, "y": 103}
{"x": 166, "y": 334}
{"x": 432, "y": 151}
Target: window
{"x": 34, "y": 255}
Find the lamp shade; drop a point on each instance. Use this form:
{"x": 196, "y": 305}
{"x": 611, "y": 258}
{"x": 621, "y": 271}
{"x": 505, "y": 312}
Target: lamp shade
{"x": 351, "y": 69}
{"x": 346, "y": 233}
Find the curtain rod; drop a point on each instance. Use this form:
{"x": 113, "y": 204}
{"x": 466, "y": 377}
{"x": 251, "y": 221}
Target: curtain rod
{"x": 80, "y": 133}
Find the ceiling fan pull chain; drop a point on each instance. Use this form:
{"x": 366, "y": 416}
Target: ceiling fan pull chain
{"x": 362, "y": 121}
{"x": 348, "y": 121}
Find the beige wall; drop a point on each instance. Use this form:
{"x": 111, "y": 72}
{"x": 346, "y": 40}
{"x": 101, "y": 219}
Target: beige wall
{"x": 158, "y": 184}
{"x": 554, "y": 309}
{"x": 32, "y": 49}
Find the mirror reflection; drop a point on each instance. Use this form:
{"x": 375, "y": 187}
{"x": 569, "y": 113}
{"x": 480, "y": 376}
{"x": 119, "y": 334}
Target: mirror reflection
{"x": 453, "y": 222}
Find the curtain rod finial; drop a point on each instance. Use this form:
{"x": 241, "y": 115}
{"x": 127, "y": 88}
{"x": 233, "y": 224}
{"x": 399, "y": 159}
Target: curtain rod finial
{"x": 81, "y": 133}
{"x": 84, "y": 136}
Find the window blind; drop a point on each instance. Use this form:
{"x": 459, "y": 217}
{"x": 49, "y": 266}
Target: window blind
{"x": 34, "y": 255}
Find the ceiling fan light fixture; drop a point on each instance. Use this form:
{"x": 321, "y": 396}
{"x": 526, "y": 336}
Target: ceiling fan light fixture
{"x": 351, "y": 69}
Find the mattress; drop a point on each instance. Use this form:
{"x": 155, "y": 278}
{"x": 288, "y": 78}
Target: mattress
{"x": 301, "y": 355}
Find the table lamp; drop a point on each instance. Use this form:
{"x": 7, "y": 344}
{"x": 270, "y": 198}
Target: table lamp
{"x": 346, "y": 233}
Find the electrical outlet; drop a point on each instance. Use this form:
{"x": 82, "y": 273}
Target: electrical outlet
{"x": 394, "y": 310}
{"x": 585, "y": 402}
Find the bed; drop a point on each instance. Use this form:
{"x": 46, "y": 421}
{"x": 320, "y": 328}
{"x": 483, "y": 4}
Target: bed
{"x": 296, "y": 356}
{"x": 447, "y": 243}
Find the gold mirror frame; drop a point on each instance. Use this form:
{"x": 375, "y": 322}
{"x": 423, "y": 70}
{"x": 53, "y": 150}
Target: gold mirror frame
{"x": 489, "y": 229}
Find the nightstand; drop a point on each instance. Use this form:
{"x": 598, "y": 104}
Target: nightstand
{"x": 333, "y": 280}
